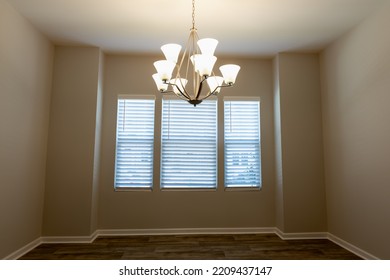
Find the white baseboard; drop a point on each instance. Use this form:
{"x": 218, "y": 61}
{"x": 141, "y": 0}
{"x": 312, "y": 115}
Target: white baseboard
{"x": 183, "y": 231}
{"x": 352, "y": 248}
{"x": 187, "y": 231}
{"x": 301, "y": 235}
{"x": 326, "y": 235}
{"x": 70, "y": 239}
{"x": 25, "y": 249}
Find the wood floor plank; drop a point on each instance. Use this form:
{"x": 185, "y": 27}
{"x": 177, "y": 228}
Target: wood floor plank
{"x": 193, "y": 247}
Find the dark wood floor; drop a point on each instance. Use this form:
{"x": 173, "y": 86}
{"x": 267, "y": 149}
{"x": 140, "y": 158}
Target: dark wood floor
{"x": 190, "y": 247}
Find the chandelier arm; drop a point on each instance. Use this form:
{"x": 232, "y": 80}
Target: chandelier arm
{"x": 186, "y": 53}
{"x": 182, "y": 93}
{"x": 182, "y": 60}
{"x": 193, "y": 36}
{"x": 169, "y": 91}
{"x": 200, "y": 88}
{"x": 223, "y": 86}
{"x": 213, "y": 92}
{"x": 209, "y": 94}
{"x": 178, "y": 95}
{"x": 182, "y": 97}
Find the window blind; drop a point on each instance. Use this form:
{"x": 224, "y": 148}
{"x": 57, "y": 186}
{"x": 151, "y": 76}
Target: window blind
{"x": 134, "y": 143}
{"x": 189, "y": 144}
{"x": 242, "y": 143}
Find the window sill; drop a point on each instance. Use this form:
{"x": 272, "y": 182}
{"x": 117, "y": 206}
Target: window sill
{"x": 243, "y": 189}
{"x": 227, "y": 189}
{"x": 188, "y": 189}
{"x": 130, "y": 189}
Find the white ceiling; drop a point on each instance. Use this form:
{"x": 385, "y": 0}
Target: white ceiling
{"x": 250, "y": 27}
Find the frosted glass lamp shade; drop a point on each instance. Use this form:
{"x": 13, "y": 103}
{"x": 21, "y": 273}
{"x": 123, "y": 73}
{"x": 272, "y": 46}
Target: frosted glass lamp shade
{"x": 180, "y": 85}
{"x": 159, "y": 83}
{"x": 171, "y": 52}
{"x": 164, "y": 69}
{"x": 230, "y": 72}
{"x": 215, "y": 83}
{"x": 203, "y": 63}
{"x": 207, "y": 46}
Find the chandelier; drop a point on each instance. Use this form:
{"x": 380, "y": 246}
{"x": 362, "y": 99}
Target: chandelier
{"x": 195, "y": 66}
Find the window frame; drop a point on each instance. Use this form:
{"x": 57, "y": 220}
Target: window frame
{"x": 157, "y": 147}
{"x": 242, "y": 188}
{"x": 188, "y": 188}
{"x": 140, "y": 98}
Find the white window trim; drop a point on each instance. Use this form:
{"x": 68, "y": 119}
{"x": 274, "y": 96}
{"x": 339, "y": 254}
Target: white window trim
{"x": 136, "y": 97}
{"x": 132, "y": 97}
{"x": 242, "y": 98}
{"x": 184, "y": 188}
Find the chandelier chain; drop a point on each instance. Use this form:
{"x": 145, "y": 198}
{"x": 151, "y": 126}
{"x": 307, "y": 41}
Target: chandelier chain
{"x": 193, "y": 14}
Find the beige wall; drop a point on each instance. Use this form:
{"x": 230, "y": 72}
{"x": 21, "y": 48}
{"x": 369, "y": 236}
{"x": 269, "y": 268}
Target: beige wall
{"x": 183, "y": 209}
{"x": 356, "y": 98}
{"x": 71, "y": 184}
{"x": 300, "y": 188}
{"x": 25, "y": 82}
{"x": 78, "y": 168}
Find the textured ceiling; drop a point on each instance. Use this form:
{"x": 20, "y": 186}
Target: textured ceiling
{"x": 243, "y": 27}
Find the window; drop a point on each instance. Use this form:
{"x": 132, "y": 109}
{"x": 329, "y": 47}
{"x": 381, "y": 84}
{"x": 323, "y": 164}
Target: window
{"x": 189, "y": 144}
{"x": 134, "y": 142}
{"x": 242, "y": 143}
